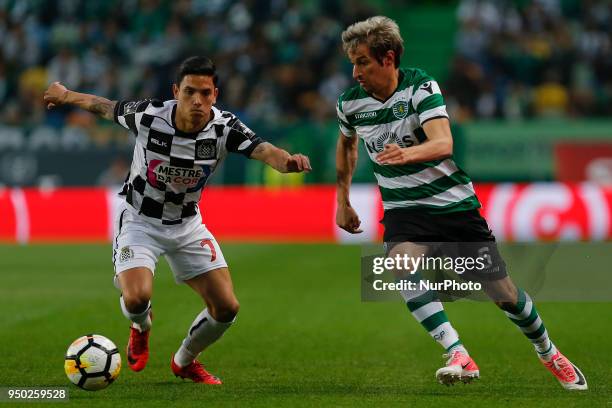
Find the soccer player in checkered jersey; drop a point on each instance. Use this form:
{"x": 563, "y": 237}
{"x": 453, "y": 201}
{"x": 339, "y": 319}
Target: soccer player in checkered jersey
{"x": 401, "y": 116}
{"x": 179, "y": 144}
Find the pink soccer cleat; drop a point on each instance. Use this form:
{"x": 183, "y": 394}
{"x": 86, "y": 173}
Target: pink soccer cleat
{"x": 569, "y": 376}
{"x": 459, "y": 367}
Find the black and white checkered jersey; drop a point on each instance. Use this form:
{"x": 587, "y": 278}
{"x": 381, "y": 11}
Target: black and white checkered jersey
{"x": 170, "y": 167}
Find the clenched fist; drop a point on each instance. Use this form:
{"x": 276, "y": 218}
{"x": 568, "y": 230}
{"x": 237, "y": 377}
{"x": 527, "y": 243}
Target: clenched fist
{"x": 55, "y": 95}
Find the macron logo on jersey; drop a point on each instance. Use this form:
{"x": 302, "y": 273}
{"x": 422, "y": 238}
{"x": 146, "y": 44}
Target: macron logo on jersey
{"x": 427, "y": 87}
{"x": 366, "y": 115}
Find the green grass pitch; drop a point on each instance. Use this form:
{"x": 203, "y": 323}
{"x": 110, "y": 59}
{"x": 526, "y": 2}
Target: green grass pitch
{"x": 303, "y": 337}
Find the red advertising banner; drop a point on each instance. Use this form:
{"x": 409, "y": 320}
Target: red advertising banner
{"x": 295, "y": 214}
{"x": 515, "y": 212}
{"x": 579, "y": 160}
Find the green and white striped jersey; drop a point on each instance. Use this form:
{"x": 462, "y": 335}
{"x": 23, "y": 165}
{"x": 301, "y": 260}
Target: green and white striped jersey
{"x": 437, "y": 186}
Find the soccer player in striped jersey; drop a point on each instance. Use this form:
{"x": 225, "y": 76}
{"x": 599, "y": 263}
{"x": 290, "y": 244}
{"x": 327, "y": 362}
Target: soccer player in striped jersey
{"x": 400, "y": 115}
{"x": 179, "y": 144}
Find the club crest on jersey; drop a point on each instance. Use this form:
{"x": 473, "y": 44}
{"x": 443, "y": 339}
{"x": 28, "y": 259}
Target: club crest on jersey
{"x": 400, "y": 109}
{"x": 125, "y": 254}
{"x": 206, "y": 149}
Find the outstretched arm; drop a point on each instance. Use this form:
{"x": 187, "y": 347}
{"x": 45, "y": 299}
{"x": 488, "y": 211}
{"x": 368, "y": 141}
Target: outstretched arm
{"x": 280, "y": 159}
{"x": 57, "y": 94}
{"x": 346, "y": 160}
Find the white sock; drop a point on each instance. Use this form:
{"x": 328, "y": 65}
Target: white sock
{"x": 547, "y": 353}
{"x": 204, "y": 331}
{"x": 458, "y": 347}
{"x": 140, "y": 321}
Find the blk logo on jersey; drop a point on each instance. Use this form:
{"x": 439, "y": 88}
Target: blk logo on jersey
{"x": 159, "y": 142}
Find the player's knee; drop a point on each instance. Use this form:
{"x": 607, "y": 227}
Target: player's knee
{"x": 506, "y": 306}
{"x": 503, "y": 300}
{"x": 503, "y": 293}
{"x": 227, "y": 311}
{"x": 137, "y": 301}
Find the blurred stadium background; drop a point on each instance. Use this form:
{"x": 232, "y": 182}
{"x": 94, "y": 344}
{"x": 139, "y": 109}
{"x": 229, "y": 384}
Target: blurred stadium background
{"x": 527, "y": 84}
{"x": 528, "y": 87}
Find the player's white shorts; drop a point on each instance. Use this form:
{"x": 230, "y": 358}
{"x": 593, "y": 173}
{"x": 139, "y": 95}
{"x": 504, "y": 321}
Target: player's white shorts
{"x": 189, "y": 248}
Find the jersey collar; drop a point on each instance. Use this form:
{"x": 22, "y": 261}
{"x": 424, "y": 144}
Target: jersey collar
{"x": 400, "y": 79}
{"x": 215, "y": 114}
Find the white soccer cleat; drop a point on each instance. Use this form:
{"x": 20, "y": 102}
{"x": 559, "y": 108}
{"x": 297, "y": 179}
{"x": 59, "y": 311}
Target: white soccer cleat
{"x": 459, "y": 367}
{"x": 569, "y": 376}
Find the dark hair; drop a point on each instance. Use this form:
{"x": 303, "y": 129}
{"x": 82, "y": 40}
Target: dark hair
{"x": 197, "y": 65}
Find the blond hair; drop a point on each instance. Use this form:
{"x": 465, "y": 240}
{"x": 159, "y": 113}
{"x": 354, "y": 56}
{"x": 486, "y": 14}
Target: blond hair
{"x": 380, "y": 33}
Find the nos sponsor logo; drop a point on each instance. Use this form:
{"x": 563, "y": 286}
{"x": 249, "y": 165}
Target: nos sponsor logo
{"x": 378, "y": 145}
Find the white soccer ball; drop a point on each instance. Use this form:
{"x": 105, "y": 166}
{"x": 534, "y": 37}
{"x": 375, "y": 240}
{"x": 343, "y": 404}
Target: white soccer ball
{"x": 92, "y": 362}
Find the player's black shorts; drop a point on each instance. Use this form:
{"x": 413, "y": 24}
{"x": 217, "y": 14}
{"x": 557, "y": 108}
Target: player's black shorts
{"x": 457, "y": 234}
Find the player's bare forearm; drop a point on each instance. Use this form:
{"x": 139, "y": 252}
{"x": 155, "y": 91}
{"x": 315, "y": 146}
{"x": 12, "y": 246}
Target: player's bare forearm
{"x": 439, "y": 145}
{"x": 97, "y": 105}
{"x": 346, "y": 160}
{"x": 102, "y": 107}
{"x": 271, "y": 155}
{"x": 57, "y": 94}
{"x": 429, "y": 150}
{"x": 281, "y": 160}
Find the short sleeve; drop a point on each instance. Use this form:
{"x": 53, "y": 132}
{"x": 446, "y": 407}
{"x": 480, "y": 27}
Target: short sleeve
{"x": 129, "y": 113}
{"x": 428, "y": 102}
{"x": 343, "y": 123}
{"x": 241, "y": 139}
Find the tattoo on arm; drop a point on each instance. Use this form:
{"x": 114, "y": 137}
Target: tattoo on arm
{"x": 271, "y": 155}
{"x": 102, "y": 107}
{"x": 258, "y": 150}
